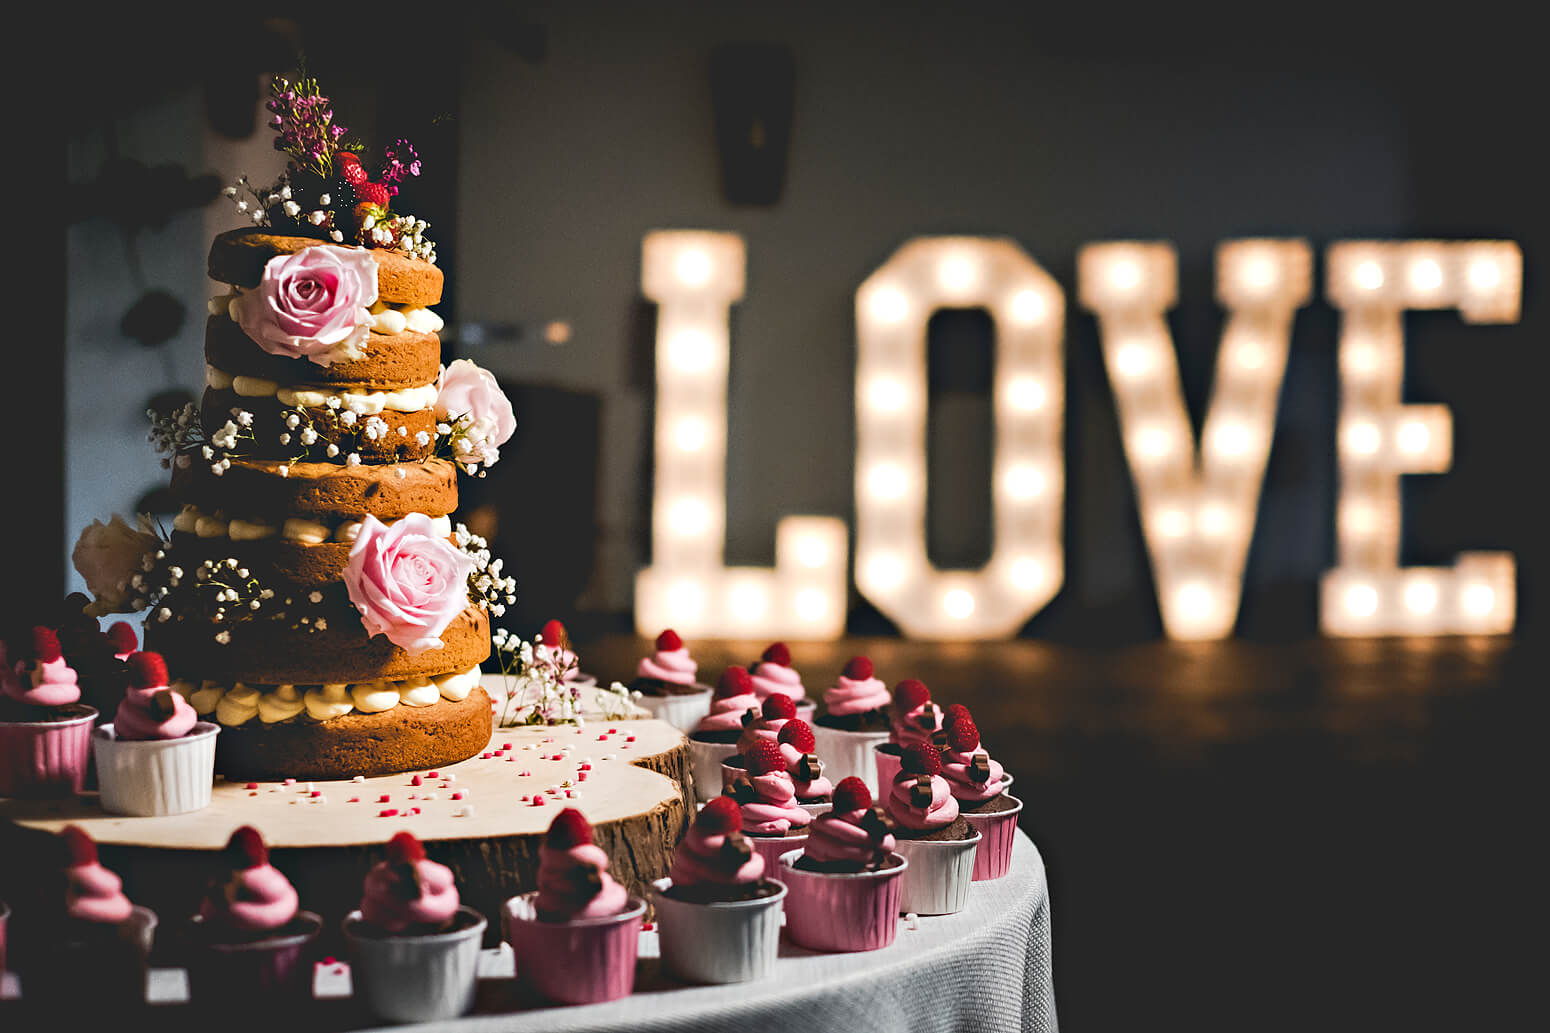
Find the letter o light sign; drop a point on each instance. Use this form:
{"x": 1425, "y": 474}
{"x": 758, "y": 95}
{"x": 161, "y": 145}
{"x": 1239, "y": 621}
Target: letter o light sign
{"x": 1197, "y": 499}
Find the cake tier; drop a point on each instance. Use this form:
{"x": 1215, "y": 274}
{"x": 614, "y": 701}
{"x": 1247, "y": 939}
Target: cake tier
{"x": 258, "y": 487}
{"x": 287, "y": 652}
{"x": 384, "y": 437}
{"x": 401, "y": 739}
{"x": 238, "y": 257}
{"x": 391, "y": 360}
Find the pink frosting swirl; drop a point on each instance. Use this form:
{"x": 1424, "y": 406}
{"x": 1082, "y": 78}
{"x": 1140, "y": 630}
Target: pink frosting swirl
{"x": 154, "y": 712}
{"x": 567, "y": 890}
{"x": 699, "y": 860}
{"x": 839, "y": 836}
{"x": 50, "y": 683}
{"x": 669, "y": 665}
{"x": 408, "y": 582}
{"x": 942, "y": 810}
{"x": 254, "y": 900}
{"x": 774, "y": 809}
{"x": 855, "y": 696}
{"x": 726, "y": 714}
{"x": 763, "y": 728}
{"x": 94, "y": 894}
{"x": 312, "y": 304}
{"x": 770, "y": 678}
{"x": 917, "y": 724}
{"x": 957, "y": 767}
{"x": 407, "y": 895}
{"x": 815, "y": 789}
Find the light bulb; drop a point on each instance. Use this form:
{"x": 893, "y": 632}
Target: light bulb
{"x": 1426, "y": 275}
{"x": 689, "y": 434}
{"x": 690, "y": 351}
{"x": 957, "y": 274}
{"x": 1361, "y": 600}
{"x": 812, "y": 551}
{"x": 811, "y": 604}
{"x": 1258, "y": 273}
{"x": 1133, "y": 360}
{"x": 888, "y": 305}
{"x": 1413, "y": 437}
{"x": 1153, "y": 442}
{"x": 1362, "y": 438}
{"x": 887, "y": 481}
{"x": 1231, "y": 439}
{"x": 1484, "y": 274}
{"x": 1421, "y": 597}
{"x": 689, "y": 518}
{"x": 1195, "y": 601}
{"x": 885, "y": 394}
{"x": 1172, "y": 522}
{"x": 1027, "y": 307}
{"x": 1250, "y": 355}
{"x": 1369, "y": 275}
{"x": 1026, "y": 574}
{"x": 1023, "y": 482}
{"x": 1124, "y": 275}
{"x": 693, "y": 267}
{"x": 958, "y": 604}
{"x": 1025, "y": 394}
{"x": 1479, "y": 600}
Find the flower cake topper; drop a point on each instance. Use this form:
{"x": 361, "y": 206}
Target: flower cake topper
{"x": 314, "y": 304}
{"x": 407, "y": 581}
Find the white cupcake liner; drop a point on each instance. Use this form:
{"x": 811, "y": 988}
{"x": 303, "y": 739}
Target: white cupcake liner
{"x": 733, "y": 941}
{"x": 940, "y": 871}
{"x": 682, "y": 711}
{"x": 151, "y": 777}
{"x": 415, "y": 978}
{"x": 848, "y": 754}
{"x": 705, "y": 761}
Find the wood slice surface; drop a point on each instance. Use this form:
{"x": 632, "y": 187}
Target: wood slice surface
{"x": 325, "y": 844}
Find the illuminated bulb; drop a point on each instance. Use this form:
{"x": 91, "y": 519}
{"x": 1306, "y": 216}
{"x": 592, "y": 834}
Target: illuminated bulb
{"x": 1025, "y": 394}
{"x": 958, "y": 604}
{"x": 1250, "y": 355}
{"x": 885, "y": 394}
{"x": 1479, "y": 600}
{"x": 685, "y": 599}
{"x": 1421, "y": 597}
{"x": 811, "y": 604}
{"x": 888, "y": 305}
{"x": 812, "y": 551}
{"x": 748, "y": 601}
{"x": 1214, "y": 519}
{"x": 693, "y": 267}
{"x": 1413, "y": 437}
{"x": 1426, "y": 275}
{"x": 689, "y": 518}
{"x": 886, "y": 481}
{"x": 689, "y": 435}
{"x": 1362, "y": 438}
{"x": 884, "y": 571}
{"x": 1358, "y": 519}
{"x": 1026, "y": 574}
{"x": 1153, "y": 442}
{"x": 957, "y": 274}
{"x": 1258, "y": 273}
{"x": 1195, "y": 601}
{"x": 1484, "y": 274}
{"x": 1124, "y": 275}
{"x": 1172, "y": 522}
{"x": 1023, "y": 482}
{"x": 1360, "y": 359}
{"x": 1361, "y": 600}
{"x": 1027, "y": 307}
{"x": 690, "y": 351}
{"x": 1133, "y": 360}
{"x": 1369, "y": 275}
{"x": 1232, "y": 439}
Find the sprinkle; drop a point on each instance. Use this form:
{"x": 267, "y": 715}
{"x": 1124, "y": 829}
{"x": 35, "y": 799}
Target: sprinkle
{"x": 586, "y": 766}
{"x": 414, "y": 810}
{"x": 252, "y": 785}
{"x": 414, "y": 796}
{"x": 538, "y": 800}
{"x": 457, "y": 796}
{"x": 613, "y": 731}
{"x": 464, "y": 812}
{"x": 648, "y": 926}
{"x": 384, "y": 798}
{"x": 629, "y": 738}
{"x": 252, "y": 794}
{"x": 602, "y": 738}
{"x": 511, "y": 759}
{"x": 570, "y": 794}
{"x": 451, "y": 777}
{"x": 432, "y": 775}
{"x": 507, "y": 745}
{"x": 391, "y": 812}
{"x": 317, "y": 798}
{"x": 358, "y": 778}
{"x": 484, "y": 756}
{"x": 581, "y": 777}
{"x": 912, "y": 921}
{"x": 415, "y": 780}
{"x": 354, "y": 799}
{"x": 315, "y": 793}
{"x": 290, "y": 782}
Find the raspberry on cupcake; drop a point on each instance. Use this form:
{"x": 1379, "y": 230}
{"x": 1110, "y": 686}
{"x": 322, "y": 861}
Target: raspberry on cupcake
{"x": 45, "y": 729}
{"x": 799, "y": 748}
{"x": 667, "y": 686}
{"x": 774, "y": 675}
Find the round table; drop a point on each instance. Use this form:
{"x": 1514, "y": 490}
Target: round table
{"x": 986, "y": 968}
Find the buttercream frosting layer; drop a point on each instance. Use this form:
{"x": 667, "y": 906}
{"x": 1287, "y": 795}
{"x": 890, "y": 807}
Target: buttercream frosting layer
{"x": 391, "y": 360}
{"x": 258, "y": 487}
{"x": 239, "y": 257}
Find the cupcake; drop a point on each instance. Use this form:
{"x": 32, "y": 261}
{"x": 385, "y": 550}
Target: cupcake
{"x": 774, "y": 675}
{"x": 97, "y": 656}
{"x": 915, "y": 719}
{"x": 155, "y": 756}
{"x": 718, "y": 914}
{"x": 251, "y": 944}
{"x": 95, "y": 955}
{"x": 414, "y": 947}
{"x": 575, "y": 937}
{"x": 938, "y": 842}
{"x": 798, "y": 747}
{"x": 767, "y": 796}
{"x": 556, "y": 644}
{"x": 762, "y": 725}
{"x": 665, "y": 681}
{"x": 854, "y": 721}
{"x": 45, "y": 729}
{"x": 845, "y": 884}
{"x": 978, "y": 783}
{"x": 714, "y": 738}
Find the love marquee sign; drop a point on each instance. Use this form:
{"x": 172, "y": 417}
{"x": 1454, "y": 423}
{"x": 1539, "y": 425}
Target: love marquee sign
{"x": 1197, "y": 499}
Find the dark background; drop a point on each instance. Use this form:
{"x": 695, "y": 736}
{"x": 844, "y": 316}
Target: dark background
{"x": 1274, "y": 832}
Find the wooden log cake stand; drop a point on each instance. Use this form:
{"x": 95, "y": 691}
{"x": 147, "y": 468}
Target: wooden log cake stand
{"x": 629, "y": 777}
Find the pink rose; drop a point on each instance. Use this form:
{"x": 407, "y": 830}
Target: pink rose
{"x": 313, "y": 304}
{"x": 407, "y": 581}
{"x": 466, "y": 393}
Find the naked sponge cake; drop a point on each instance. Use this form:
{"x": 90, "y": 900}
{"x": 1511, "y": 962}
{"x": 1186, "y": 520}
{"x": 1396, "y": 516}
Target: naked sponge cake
{"x": 314, "y": 596}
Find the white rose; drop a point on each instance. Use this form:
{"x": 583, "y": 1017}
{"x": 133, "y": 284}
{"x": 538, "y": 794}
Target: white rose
{"x": 107, "y": 556}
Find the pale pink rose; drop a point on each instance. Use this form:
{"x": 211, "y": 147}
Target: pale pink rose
{"x": 407, "y": 581}
{"x": 464, "y": 390}
{"x": 313, "y": 304}
{"x": 108, "y": 556}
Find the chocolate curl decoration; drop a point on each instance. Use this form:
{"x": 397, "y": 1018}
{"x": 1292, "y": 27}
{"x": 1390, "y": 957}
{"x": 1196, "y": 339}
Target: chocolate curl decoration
{"x": 588, "y": 878}
{"x": 742, "y": 789}
{"x": 407, "y": 884}
{"x": 736, "y": 850}
{"x": 939, "y": 738}
{"x": 750, "y": 716}
{"x": 920, "y": 793}
{"x": 930, "y": 721}
{"x": 979, "y": 769}
{"x": 163, "y": 705}
{"x": 809, "y": 768}
{"x": 877, "y": 823}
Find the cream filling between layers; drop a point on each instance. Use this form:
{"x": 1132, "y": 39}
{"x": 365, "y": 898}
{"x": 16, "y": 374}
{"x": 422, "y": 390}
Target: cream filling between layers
{"x": 238, "y": 703}
{"x": 193, "y": 520}
{"x": 386, "y": 319}
{"x": 362, "y": 403}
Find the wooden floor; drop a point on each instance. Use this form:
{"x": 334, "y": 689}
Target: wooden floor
{"x": 1315, "y": 835}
